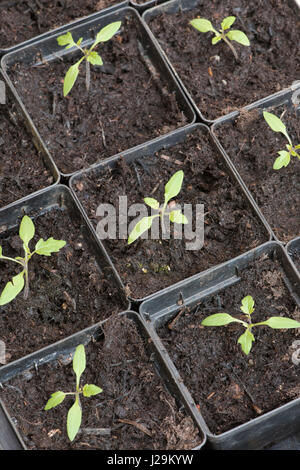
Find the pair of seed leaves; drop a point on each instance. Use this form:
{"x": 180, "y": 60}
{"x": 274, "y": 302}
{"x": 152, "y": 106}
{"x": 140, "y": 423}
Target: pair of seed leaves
{"x": 204, "y": 26}
{"x": 74, "y": 417}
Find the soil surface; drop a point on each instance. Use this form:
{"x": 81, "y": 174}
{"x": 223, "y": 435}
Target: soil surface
{"x": 215, "y": 81}
{"x": 67, "y": 291}
{"x": 148, "y": 265}
{"x": 125, "y": 106}
{"x": 22, "y": 170}
{"x": 253, "y": 147}
{"x": 22, "y": 20}
{"x": 134, "y": 411}
{"x": 230, "y": 387}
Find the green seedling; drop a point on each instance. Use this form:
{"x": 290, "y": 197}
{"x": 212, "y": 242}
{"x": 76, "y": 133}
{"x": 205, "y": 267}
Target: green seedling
{"x": 42, "y": 247}
{"x": 247, "y": 338}
{"x": 277, "y": 125}
{"x": 172, "y": 188}
{"x": 89, "y": 55}
{"x": 204, "y": 26}
{"x": 74, "y": 416}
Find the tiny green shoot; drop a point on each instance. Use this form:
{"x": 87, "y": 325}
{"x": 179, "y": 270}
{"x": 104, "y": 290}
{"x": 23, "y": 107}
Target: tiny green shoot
{"x": 42, "y": 247}
{"x": 225, "y": 33}
{"x": 276, "y": 124}
{"x": 89, "y": 55}
{"x": 247, "y": 338}
{"x": 172, "y": 188}
{"x": 74, "y": 416}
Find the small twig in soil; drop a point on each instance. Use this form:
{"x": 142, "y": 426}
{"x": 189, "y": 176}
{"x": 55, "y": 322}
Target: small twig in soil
{"x": 97, "y": 431}
{"x": 175, "y": 319}
{"x": 102, "y": 133}
{"x": 139, "y": 426}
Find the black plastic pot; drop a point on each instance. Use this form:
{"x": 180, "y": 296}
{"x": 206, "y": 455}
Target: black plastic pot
{"x": 173, "y": 7}
{"x": 145, "y": 5}
{"x": 45, "y": 159}
{"x": 60, "y": 198}
{"x": 150, "y": 149}
{"x": 293, "y": 249}
{"x": 265, "y": 429}
{"x": 290, "y": 100}
{"x": 7, "y": 50}
{"x": 50, "y": 51}
{"x": 10, "y": 438}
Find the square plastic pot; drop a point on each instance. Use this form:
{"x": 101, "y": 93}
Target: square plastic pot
{"x": 293, "y": 249}
{"x": 266, "y": 429}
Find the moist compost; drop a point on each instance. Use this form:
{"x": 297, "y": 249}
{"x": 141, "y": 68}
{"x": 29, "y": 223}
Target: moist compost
{"x": 67, "y": 290}
{"x": 216, "y": 83}
{"x": 134, "y": 411}
{"x": 229, "y": 387}
{"x": 22, "y": 20}
{"x": 253, "y": 147}
{"x": 148, "y": 265}
{"x": 22, "y": 168}
{"x": 127, "y": 104}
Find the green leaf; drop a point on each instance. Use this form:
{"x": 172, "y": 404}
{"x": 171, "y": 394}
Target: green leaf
{"x": 283, "y": 160}
{"x": 151, "y": 202}
{"x": 281, "y": 323}
{"x": 275, "y": 124}
{"x": 247, "y": 305}
{"x": 106, "y": 33}
{"x": 173, "y": 186}
{"x": 0, "y": 251}
{"x": 79, "y": 362}
{"x": 46, "y": 247}
{"x": 26, "y": 230}
{"x": 94, "y": 58}
{"x": 238, "y": 36}
{"x": 227, "y": 22}
{"x": 79, "y": 41}
{"x": 12, "y": 289}
{"x": 74, "y": 419}
{"x": 178, "y": 217}
{"x": 142, "y": 226}
{"x": 246, "y": 340}
{"x": 216, "y": 39}
{"x": 90, "y": 390}
{"x": 220, "y": 319}
{"x": 71, "y": 77}
{"x": 66, "y": 40}
{"x": 56, "y": 399}
{"x": 202, "y": 25}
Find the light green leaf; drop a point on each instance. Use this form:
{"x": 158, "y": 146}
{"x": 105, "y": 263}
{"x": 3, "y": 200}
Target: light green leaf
{"x": 178, "y": 217}
{"x": 238, "y": 36}
{"x": 246, "y": 340}
{"x": 94, "y": 58}
{"x": 90, "y": 390}
{"x": 26, "y": 230}
{"x": 227, "y": 22}
{"x": 151, "y": 202}
{"x": 46, "y": 247}
{"x": 71, "y": 77}
{"x": 66, "y": 39}
{"x": 74, "y": 420}
{"x": 202, "y": 25}
{"x": 142, "y": 226}
{"x": 216, "y": 39}
{"x": 281, "y": 323}
{"x": 106, "y": 33}
{"x": 79, "y": 362}
{"x": 247, "y": 305}
{"x": 283, "y": 160}
{"x": 276, "y": 124}
{"x": 12, "y": 289}
{"x": 220, "y": 319}
{"x": 56, "y": 399}
{"x": 173, "y": 186}
{"x": 0, "y": 251}
{"x": 79, "y": 41}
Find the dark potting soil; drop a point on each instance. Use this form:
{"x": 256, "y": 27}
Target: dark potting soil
{"x": 148, "y": 265}
{"x": 229, "y": 387}
{"x": 210, "y": 73}
{"x": 253, "y": 147}
{"x": 124, "y": 107}
{"x": 22, "y": 168}
{"x": 134, "y": 411}
{"x": 67, "y": 291}
{"x": 22, "y": 20}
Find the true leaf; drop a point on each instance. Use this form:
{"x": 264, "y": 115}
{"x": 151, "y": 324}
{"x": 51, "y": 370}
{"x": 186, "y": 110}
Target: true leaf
{"x": 26, "y": 230}
{"x": 275, "y": 123}
{"x": 90, "y": 390}
{"x": 247, "y": 305}
{"x": 219, "y": 319}
{"x": 46, "y": 247}
{"x": 227, "y": 22}
{"x": 178, "y": 217}
{"x": 173, "y": 186}
{"x": 142, "y": 226}
{"x": 74, "y": 419}
{"x": 238, "y": 36}
{"x": 202, "y": 25}
{"x": 66, "y": 39}
{"x": 106, "y": 33}
{"x": 151, "y": 202}
{"x": 283, "y": 160}
{"x": 12, "y": 289}
{"x": 246, "y": 340}
{"x": 216, "y": 39}
{"x": 71, "y": 76}
{"x": 94, "y": 58}
{"x": 79, "y": 362}
{"x": 56, "y": 399}
{"x": 281, "y": 322}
